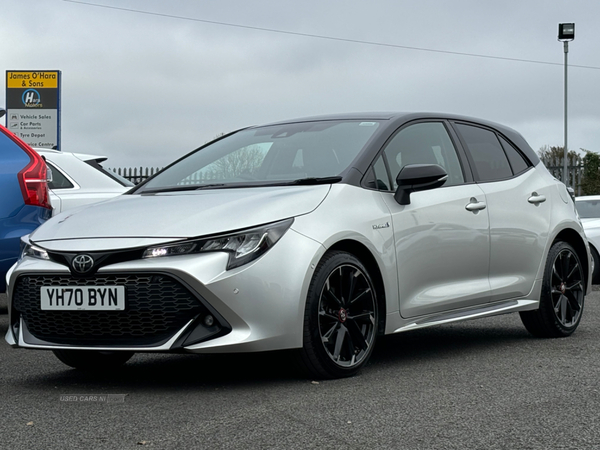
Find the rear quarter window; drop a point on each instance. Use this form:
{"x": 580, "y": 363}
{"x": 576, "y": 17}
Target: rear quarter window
{"x": 491, "y": 163}
{"x": 517, "y": 161}
{"x": 59, "y": 180}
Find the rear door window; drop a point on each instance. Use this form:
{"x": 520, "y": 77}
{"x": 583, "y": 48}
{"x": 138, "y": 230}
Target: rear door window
{"x": 491, "y": 163}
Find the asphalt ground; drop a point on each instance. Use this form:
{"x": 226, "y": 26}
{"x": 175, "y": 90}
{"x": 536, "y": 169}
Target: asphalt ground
{"x": 481, "y": 384}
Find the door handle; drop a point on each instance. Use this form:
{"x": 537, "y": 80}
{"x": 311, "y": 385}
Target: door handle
{"x": 536, "y": 198}
{"x": 474, "y": 205}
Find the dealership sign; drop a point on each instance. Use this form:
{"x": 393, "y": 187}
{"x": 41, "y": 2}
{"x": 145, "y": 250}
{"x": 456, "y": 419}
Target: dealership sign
{"x": 33, "y": 107}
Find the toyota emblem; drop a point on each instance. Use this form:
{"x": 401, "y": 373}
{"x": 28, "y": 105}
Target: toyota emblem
{"x": 82, "y": 263}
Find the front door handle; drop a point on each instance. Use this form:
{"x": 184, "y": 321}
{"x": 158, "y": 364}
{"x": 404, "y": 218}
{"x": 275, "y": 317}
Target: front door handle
{"x": 474, "y": 205}
{"x": 536, "y": 198}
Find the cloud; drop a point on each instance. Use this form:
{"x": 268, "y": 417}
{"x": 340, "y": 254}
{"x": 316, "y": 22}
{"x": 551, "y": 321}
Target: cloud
{"x": 145, "y": 89}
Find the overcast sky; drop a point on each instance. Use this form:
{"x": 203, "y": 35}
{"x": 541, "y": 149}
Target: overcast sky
{"x": 144, "y": 89}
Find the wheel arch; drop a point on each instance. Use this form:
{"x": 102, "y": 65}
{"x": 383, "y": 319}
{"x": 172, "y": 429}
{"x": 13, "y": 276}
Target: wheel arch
{"x": 593, "y": 248}
{"x": 574, "y": 239}
{"x": 595, "y": 257}
{"x": 365, "y": 256}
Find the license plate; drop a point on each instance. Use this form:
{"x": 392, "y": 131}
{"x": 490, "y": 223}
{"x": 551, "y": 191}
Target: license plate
{"x": 83, "y": 298}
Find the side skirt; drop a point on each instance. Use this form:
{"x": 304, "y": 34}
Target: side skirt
{"x": 490, "y": 309}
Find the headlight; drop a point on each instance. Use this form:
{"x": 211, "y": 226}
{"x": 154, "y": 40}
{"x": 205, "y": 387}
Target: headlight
{"x": 28, "y": 249}
{"x": 243, "y": 246}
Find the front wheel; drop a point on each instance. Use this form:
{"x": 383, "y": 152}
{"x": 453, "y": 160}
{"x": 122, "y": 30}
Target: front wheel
{"x": 92, "y": 359}
{"x": 341, "y": 318}
{"x": 562, "y": 297}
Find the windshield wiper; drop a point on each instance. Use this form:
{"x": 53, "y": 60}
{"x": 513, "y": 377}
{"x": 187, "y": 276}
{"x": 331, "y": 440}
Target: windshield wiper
{"x": 213, "y": 185}
{"x": 192, "y": 187}
{"x": 316, "y": 180}
{"x": 196, "y": 187}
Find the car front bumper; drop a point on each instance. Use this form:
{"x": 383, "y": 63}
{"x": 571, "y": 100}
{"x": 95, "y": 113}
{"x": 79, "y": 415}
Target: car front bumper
{"x": 256, "y": 307}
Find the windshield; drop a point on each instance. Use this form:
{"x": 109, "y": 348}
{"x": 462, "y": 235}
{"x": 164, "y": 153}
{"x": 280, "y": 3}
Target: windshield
{"x": 270, "y": 155}
{"x": 588, "y": 209}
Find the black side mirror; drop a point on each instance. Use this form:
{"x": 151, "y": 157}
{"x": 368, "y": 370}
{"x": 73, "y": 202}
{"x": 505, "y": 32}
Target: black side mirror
{"x": 418, "y": 177}
{"x": 2, "y": 112}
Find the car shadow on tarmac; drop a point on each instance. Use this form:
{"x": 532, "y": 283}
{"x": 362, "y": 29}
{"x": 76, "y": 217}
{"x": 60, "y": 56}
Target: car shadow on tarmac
{"x": 164, "y": 372}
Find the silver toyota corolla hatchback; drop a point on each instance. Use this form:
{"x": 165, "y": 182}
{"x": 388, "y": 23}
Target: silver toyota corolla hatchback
{"x": 316, "y": 235}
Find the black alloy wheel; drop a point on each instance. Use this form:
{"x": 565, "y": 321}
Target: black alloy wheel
{"x": 563, "y": 294}
{"x": 341, "y": 317}
{"x": 567, "y": 288}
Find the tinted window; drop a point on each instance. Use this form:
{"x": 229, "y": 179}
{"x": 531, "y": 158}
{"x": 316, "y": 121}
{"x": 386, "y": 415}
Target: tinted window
{"x": 424, "y": 143}
{"x": 59, "y": 181}
{"x": 381, "y": 175}
{"x": 517, "y": 162}
{"x": 490, "y": 160}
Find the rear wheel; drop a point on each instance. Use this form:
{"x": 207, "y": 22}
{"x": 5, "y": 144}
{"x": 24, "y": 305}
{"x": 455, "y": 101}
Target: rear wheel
{"x": 562, "y": 298}
{"x": 92, "y": 359}
{"x": 340, "y": 322}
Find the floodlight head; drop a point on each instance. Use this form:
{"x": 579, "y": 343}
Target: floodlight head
{"x": 566, "y": 31}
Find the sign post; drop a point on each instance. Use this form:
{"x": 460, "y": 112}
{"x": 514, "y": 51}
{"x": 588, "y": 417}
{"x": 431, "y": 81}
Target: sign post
{"x": 33, "y": 106}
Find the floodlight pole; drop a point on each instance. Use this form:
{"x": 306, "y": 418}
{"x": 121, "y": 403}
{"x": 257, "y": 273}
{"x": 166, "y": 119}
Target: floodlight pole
{"x": 565, "y": 178}
{"x": 566, "y": 33}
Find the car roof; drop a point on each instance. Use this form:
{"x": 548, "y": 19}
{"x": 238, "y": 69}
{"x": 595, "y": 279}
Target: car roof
{"x": 397, "y": 119}
{"x": 390, "y": 115}
{"x": 81, "y": 156}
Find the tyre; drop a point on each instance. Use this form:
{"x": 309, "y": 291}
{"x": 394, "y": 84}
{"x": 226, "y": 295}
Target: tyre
{"x": 596, "y": 272}
{"x": 92, "y": 359}
{"x": 562, "y": 297}
{"x": 341, "y": 318}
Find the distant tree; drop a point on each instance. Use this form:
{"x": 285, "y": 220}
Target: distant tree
{"x": 590, "y": 183}
{"x": 553, "y": 156}
{"x": 242, "y": 162}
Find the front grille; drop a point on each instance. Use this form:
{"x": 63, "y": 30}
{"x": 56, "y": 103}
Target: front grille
{"x": 156, "y": 307}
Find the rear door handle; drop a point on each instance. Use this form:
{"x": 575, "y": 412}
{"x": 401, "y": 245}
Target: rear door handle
{"x": 474, "y": 205}
{"x": 536, "y": 198}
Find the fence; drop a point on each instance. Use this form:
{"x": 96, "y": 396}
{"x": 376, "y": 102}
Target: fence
{"x": 574, "y": 170}
{"x": 574, "y": 174}
{"x": 554, "y": 165}
{"x": 135, "y": 176}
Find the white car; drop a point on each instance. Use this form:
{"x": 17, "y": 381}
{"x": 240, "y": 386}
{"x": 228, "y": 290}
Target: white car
{"x": 588, "y": 208}
{"x": 79, "y": 179}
